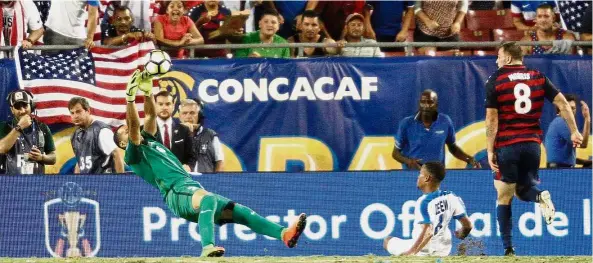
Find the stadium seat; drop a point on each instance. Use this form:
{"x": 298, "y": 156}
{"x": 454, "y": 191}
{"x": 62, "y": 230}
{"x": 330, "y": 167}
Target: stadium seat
{"x": 507, "y": 34}
{"x": 482, "y": 52}
{"x": 468, "y": 35}
{"x": 488, "y": 19}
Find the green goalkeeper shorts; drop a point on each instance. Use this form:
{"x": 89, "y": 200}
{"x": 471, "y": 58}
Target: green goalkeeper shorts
{"x": 179, "y": 201}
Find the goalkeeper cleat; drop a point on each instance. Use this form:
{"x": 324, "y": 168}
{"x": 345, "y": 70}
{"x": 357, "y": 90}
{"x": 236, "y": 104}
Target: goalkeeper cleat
{"x": 132, "y": 86}
{"x": 212, "y": 252}
{"x": 291, "y": 234}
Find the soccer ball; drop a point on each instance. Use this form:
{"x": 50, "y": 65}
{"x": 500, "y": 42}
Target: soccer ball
{"x": 158, "y": 63}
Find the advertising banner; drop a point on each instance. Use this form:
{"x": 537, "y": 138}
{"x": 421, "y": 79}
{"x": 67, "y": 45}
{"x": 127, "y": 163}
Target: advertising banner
{"x": 349, "y": 213}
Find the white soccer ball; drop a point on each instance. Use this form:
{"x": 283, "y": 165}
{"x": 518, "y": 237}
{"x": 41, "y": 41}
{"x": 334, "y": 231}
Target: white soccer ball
{"x": 158, "y": 63}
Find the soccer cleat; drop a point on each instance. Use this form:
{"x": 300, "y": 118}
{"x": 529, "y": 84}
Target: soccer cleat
{"x": 212, "y": 251}
{"x": 509, "y": 251}
{"x": 132, "y": 86}
{"x": 547, "y": 207}
{"x": 292, "y": 233}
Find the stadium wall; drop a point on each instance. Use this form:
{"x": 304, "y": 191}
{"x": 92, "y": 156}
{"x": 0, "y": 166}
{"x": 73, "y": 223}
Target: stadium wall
{"x": 332, "y": 114}
{"x": 349, "y": 214}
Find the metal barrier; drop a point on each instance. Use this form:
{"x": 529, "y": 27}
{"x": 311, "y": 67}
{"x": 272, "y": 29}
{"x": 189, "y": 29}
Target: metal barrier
{"x": 407, "y": 45}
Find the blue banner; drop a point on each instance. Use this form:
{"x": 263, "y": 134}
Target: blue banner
{"x": 336, "y": 114}
{"x": 349, "y": 214}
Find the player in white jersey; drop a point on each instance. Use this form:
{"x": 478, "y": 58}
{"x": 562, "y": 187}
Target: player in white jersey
{"x": 433, "y": 212}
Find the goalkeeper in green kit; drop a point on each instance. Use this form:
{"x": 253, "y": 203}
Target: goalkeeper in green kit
{"x": 186, "y": 198}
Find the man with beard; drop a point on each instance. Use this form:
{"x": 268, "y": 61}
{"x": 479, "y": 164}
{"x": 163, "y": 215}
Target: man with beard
{"x": 545, "y": 30}
{"x": 122, "y": 31}
{"x": 310, "y": 33}
{"x": 269, "y": 24}
{"x": 354, "y": 34}
{"x": 173, "y": 136}
{"x": 422, "y": 137}
{"x": 26, "y": 145}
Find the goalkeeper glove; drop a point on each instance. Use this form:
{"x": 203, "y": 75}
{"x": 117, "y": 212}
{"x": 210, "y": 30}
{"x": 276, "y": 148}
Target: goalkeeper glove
{"x": 132, "y": 86}
{"x": 145, "y": 83}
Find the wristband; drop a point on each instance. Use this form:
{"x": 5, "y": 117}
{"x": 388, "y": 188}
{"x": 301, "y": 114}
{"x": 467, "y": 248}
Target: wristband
{"x": 18, "y": 128}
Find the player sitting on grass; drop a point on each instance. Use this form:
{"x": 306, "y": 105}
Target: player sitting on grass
{"x": 186, "y": 198}
{"x": 433, "y": 213}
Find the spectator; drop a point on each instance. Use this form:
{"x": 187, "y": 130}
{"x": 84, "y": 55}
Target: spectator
{"x": 174, "y": 29}
{"x": 122, "y": 31}
{"x": 66, "y": 23}
{"x": 269, "y": 25}
{"x": 16, "y": 19}
{"x": 338, "y": 11}
{"x": 545, "y": 29}
{"x": 206, "y": 145}
{"x": 209, "y": 16}
{"x": 438, "y": 21}
{"x": 524, "y": 13}
{"x": 390, "y": 23}
{"x": 92, "y": 142}
{"x": 559, "y": 149}
{"x": 288, "y": 11}
{"x": 139, "y": 11}
{"x": 43, "y": 8}
{"x": 310, "y": 33}
{"x": 354, "y": 31}
{"x": 174, "y": 136}
{"x": 26, "y": 144}
{"x": 422, "y": 137}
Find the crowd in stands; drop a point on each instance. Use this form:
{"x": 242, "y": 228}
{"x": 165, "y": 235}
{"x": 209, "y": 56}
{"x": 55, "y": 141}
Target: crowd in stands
{"x": 177, "y": 23}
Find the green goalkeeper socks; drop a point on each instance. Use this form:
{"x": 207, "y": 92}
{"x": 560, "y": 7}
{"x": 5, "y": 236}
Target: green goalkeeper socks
{"x": 245, "y": 216}
{"x": 208, "y": 207}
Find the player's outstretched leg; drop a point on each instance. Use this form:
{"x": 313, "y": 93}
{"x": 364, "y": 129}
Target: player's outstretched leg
{"x": 245, "y": 216}
{"x": 208, "y": 207}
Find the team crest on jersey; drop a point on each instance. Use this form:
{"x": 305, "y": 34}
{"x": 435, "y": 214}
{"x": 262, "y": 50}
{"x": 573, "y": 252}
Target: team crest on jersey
{"x": 72, "y": 223}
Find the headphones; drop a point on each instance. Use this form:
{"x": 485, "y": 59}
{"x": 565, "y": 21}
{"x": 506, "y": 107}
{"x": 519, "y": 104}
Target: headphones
{"x": 10, "y": 96}
{"x": 201, "y": 115}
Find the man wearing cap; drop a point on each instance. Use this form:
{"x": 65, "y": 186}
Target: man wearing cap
{"x": 26, "y": 145}
{"x": 354, "y": 34}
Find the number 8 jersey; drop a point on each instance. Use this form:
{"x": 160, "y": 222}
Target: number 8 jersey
{"x": 518, "y": 94}
{"x": 437, "y": 209}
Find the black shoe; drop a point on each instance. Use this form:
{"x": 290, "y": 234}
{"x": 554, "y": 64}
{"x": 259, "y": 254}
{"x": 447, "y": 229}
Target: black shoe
{"x": 509, "y": 251}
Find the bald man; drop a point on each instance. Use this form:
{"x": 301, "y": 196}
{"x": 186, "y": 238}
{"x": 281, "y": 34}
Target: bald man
{"x": 422, "y": 137}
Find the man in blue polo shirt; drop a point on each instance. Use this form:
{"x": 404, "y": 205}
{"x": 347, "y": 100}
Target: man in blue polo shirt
{"x": 422, "y": 137}
{"x": 559, "y": 150}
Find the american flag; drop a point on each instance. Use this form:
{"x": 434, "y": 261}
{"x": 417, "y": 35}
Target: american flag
{"x": 100, "y": 76}
{"x": 572, "y": 13}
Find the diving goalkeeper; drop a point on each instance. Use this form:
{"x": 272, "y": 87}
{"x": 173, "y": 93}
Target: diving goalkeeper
{"x": 154, "y": 163}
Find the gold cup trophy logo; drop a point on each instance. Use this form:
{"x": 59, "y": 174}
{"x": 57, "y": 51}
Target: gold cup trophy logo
{"x": 72, "y": 223}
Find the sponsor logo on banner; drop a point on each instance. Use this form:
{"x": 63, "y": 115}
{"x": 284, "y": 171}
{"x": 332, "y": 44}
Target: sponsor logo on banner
{"x": 72, "y": 223}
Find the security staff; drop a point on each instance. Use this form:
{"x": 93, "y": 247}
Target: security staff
{"x": 206, "y": 145}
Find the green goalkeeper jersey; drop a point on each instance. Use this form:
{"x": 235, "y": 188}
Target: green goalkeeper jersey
{"x": 157, "y": 165}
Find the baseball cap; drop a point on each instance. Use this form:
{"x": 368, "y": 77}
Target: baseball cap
{"x": 353, "y": 16}
{"x": 19, "y": 96}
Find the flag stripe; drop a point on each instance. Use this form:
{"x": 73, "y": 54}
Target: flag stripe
{"x": 100, "y": 76}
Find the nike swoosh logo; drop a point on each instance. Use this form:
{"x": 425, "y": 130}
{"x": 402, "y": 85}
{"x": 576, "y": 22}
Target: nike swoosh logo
{"x": 201, "y": 212}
